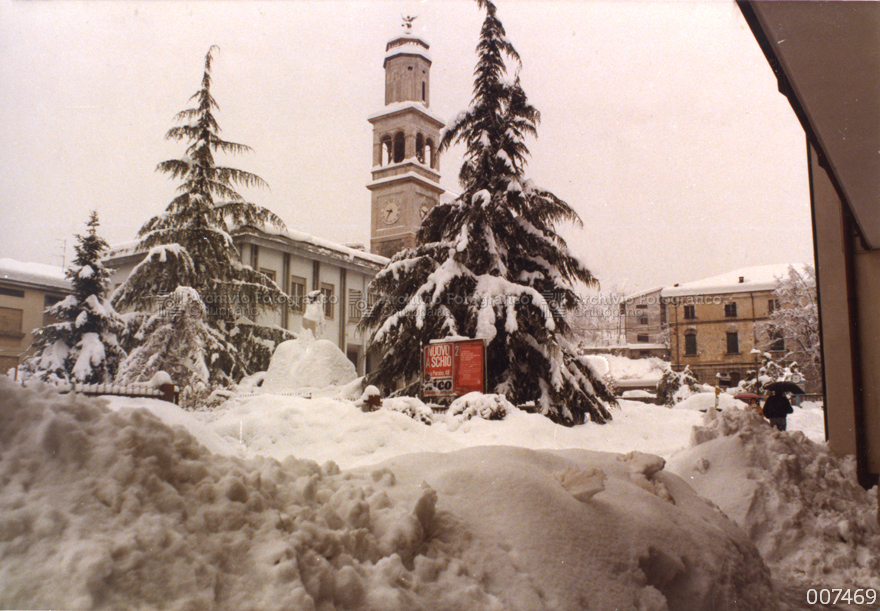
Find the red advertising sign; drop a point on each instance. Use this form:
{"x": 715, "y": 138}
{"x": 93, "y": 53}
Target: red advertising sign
{"x": 468, "y": 375}
{"x": 453, "y": 368}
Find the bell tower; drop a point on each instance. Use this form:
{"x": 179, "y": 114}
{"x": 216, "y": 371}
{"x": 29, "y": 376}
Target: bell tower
{"x": 405, "y": 181}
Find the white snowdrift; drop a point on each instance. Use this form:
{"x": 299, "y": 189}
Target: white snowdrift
{"x": 624, "y": 368}
{"x": 326, "y": 428}
{"x": 800, "y": 505}
{"x": 307, "y": 363}
{"x": 115, "y": 509}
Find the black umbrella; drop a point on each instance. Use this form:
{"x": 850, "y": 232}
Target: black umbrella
{"x": 785, "y": 387}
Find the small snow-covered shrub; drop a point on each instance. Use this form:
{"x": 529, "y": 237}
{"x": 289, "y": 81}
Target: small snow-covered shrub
{"x": 676, "y": 386}
{"x": 487, "y": 407}
{"x": 410, "y": 406}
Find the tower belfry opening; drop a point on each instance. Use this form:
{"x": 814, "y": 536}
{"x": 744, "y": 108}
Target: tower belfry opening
{"x": 405, "y": 181}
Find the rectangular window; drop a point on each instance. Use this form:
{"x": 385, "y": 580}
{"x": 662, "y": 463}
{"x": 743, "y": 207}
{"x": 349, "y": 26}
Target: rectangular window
{"x": 777, "y": 342}
{"x": 642, "y": 313}
{"x": 269, "y": 273}
{"x": 10, "y": 321}
{"x": 732, "y": 342}
{"x": 690, "y": 312}
{"x": 730, "y": 310}
{"x": 690, "y": 344}
{"x": 48, "y": 302}
{"x": 356, "y": 305}
{"x": 772, "y": 306}
{"x": 297, "y": 292}
{"x": 329, "y": 299}
{"x": 11, "y": 292}
{"x": 643, "y": 338}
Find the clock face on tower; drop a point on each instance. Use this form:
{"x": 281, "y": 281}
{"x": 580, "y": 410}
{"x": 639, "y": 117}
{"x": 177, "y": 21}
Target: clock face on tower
{"x": 390, "y": 213}
{"x": 423, "y": 211}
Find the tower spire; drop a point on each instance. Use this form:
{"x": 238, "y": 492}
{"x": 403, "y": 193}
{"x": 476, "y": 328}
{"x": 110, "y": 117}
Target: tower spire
{"x": 406, "y": 169}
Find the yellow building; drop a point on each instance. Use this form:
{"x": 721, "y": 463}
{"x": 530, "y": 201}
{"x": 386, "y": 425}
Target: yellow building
{"x": 715, "y": 324}
{"x": 26, "y": 290}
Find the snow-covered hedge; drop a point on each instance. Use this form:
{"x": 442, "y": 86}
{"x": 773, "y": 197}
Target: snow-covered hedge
{"x": 487, "y": 407}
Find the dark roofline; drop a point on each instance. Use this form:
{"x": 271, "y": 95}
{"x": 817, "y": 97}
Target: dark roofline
{"x": 760, "y": 32}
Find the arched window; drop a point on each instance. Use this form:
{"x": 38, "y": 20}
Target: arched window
{"x": 420, "y": 148}
{"x": 429, "y": 154}
{"x": 386, "y": 151}
{"x": 399, "y": 143}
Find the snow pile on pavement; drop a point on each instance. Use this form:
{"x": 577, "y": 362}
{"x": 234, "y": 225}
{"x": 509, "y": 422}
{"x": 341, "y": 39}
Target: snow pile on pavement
{"x": 648, "y": 369}
{"x": 307, "y": 363}
{"x": 115, "y": 509}
{"x": 327, "y": 428}
{"x": 800, "y": 505}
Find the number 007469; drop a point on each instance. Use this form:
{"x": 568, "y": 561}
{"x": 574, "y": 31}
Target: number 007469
{"x": 849, "y": 596}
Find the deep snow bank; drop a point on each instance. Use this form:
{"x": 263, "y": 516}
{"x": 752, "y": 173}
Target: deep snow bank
{"x": 305, "y": 362}
{"x": 115, "y": 509}
{"x": 574, "y": 529}
{"x": 801, "y": 505}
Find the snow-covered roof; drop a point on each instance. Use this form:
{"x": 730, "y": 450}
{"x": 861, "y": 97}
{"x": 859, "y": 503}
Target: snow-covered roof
{"x": 408, "y": 175}
{"x": 122, "y": 249}
{"x": 745, "y": 280}
{"x": 647, "y": 346}
{"x": 346, "y": 252}
{"x": 340, "y": 251}
{"x": 406, "y": 104}
{"x": 407, "y": 45}
{"x": 33, "y": 274}
{"x": 634, "y": 296}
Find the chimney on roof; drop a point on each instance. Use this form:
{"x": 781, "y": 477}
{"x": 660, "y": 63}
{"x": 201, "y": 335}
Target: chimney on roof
{"x": 742, "y": 279}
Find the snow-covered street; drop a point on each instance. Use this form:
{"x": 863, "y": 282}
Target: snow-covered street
{"x": 282, "y": 502}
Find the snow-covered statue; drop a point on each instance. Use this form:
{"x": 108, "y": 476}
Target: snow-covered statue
{"x": 313, "y": 316}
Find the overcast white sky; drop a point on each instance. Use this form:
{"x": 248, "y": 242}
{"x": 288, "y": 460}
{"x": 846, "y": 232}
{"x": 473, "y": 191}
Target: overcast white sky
{"x": 661, "y": 122}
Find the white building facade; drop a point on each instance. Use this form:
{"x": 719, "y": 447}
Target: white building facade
{"x": 298, "y": 263}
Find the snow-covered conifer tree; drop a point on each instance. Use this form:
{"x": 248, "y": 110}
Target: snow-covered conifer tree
{"x": 176, "y": 339}
{"x": 490, "y": 264}
{"x": 190, "y": 245}
{"x": 83, "y": 345}
{"x": 669, "y": 388}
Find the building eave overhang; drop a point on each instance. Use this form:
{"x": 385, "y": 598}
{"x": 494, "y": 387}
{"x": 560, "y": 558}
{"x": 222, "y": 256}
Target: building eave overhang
{"x": 407, "y": 177}
{"x": 404, "y": 108}
{"x": 826, "y": 58}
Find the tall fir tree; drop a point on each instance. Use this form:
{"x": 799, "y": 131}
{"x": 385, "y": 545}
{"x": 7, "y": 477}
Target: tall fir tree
{"x": 490, "y": 264}
{"x": 190, "y": 245}
{"x": 83, "y": 345}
